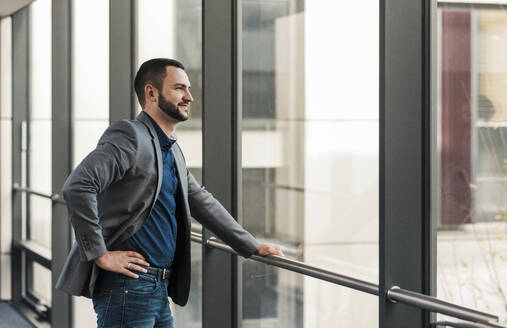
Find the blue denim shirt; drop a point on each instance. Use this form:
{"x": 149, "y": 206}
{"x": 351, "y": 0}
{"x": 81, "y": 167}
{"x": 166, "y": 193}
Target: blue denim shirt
{"x": 156, "y": 240}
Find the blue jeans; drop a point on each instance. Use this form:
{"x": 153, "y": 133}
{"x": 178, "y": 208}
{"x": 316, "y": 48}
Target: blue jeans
{"x": 122, "y": 302}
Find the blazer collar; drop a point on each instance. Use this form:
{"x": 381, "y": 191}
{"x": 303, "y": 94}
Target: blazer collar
{"x": 143, "y": 117}
{"x": 146, "y": 119}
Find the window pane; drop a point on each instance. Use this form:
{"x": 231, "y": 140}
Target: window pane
{"x": 310, "y": 157}
{"x": 284, "y": 299}
{"x": 90, "y": 62}
{"x": 41, "y": 279}
{"x": 39, "y": 124}
{"x": 40, "y": 220}
{"x": 5, "y": 156}
{"x": 90, "y": 74}
{"x": 90, "y": 98}
{"x": 40, "y": 210}
{"x": 471, "y": 148}
{"x": 40, "y": 59}
{"x": 172, "y": 29}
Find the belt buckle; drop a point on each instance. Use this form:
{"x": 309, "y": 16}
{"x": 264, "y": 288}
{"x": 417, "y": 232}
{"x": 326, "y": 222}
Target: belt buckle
{"x": 163, "y": 273}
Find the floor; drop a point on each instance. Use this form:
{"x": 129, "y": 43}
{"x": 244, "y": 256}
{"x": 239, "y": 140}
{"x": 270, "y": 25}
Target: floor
{"x": 10, "y": 318}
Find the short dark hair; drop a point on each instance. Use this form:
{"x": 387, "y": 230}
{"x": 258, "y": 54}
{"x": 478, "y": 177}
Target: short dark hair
{"x": 152, "y": 72}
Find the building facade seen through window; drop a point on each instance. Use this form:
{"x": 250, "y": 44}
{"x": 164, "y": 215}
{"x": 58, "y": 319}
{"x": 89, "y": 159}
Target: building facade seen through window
{"x": 310, "y": 157}
{"x": 471, "y": 129}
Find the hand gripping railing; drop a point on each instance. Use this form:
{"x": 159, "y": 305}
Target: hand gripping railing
{"x": 54, "y": 197}
{"x": 476, "y": 319}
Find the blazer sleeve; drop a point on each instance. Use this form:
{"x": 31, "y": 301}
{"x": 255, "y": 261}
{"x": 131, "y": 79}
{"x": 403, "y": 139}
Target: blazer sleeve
{"x": 210, "y": 213}
{"x": 114, "y": 155}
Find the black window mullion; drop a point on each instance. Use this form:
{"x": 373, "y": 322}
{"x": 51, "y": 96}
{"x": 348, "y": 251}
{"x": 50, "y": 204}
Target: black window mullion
{"x": 221, "y": 295}
{"x": 19, "y": 115}
{"x": 27, "y": 130}
{"x": 61, "y": 136}
{"x": 121, "y": 63}
{"x": 405, "y": 227}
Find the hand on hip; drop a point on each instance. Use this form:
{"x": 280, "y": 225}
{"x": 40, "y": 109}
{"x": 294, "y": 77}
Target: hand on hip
{"x": 122, "y": 262}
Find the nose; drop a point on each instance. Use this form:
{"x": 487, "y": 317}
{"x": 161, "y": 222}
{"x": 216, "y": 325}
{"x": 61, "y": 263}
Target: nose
{"x": 188, "y": 96}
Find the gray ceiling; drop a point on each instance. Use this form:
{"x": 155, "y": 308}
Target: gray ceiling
{"x": 8, "y": 7}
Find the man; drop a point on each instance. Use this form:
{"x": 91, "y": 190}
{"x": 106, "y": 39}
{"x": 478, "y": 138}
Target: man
{"x": 130, "y": 202}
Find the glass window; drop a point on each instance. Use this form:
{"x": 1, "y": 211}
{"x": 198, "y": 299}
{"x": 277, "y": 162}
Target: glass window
{"x": 310, "y": 157}
{"x": 39, "y": 124}
{"x": 172, "y": 29}
{"x": 90, "y": 98}
{"x": 471, "y": 147}
{"x": 41, "y": 276}
{"x": 36, "y": 151}
{"x": 90, "y": 74}
{"x": 5, "y": 156}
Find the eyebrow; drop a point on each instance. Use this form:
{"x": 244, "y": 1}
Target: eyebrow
{"x": 182, "y": 85}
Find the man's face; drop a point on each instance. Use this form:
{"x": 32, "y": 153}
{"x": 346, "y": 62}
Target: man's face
{"x": 175, "y": 98}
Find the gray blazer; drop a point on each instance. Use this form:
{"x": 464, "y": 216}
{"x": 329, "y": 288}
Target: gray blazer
{"x": 111, "y": 193}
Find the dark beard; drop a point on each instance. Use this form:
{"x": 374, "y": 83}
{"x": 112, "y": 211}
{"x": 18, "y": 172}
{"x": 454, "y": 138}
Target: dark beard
{"x": 171, "y": 109}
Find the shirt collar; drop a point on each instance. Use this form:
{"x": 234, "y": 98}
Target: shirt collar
{"x": 164, "y": 140}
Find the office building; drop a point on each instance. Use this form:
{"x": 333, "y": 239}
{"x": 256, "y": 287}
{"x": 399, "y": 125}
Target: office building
{"x": 368, "y": 138}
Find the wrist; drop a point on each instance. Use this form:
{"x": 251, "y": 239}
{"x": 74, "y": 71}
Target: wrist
{"x": 101, "y": 257}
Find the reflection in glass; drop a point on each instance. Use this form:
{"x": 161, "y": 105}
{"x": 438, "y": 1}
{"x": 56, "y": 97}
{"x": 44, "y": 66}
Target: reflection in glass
{"x": 471, "y": 149}
{"x": 282, "y": 299}
{"x": 310, "y": 157}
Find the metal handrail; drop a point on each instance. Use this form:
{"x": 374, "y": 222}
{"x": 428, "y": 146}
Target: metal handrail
{"x": 297, "y": 266}
{"x": 395, "y": 294}
{"x": 398, "y": 295}
{"x": 305, "y": 269}
{"x": 461, "y": 324}
{"x": 54, "y": 197}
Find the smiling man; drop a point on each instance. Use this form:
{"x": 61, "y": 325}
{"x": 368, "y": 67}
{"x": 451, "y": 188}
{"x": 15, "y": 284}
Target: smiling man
{"x": 130, "y": 202}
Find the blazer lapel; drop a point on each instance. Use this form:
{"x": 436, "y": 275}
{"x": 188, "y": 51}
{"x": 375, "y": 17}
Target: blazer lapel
{"x": 143, "y": 117}
{"x": 183, "y": 184}
{"x": 180, "y": 167}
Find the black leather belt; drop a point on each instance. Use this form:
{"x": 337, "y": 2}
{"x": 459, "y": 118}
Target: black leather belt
{"x": 161, "y": 273}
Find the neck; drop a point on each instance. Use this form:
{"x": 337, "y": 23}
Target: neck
{"x": 166, "y": 123}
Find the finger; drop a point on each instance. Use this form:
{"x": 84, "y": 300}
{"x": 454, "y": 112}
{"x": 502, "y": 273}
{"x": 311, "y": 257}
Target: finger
{"x": 128, "y": 273}
{"x": 137, "y": 268}
{"x": 138, "y": 261}
{"x": 135, "y": 254}
{"x": 264, "y": 250}
{"x": 274, "y": 250}
{"x": 269, "y": 250}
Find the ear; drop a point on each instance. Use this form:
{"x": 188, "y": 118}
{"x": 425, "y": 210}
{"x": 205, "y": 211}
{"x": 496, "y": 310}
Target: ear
{"x": 150, "y": 93}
